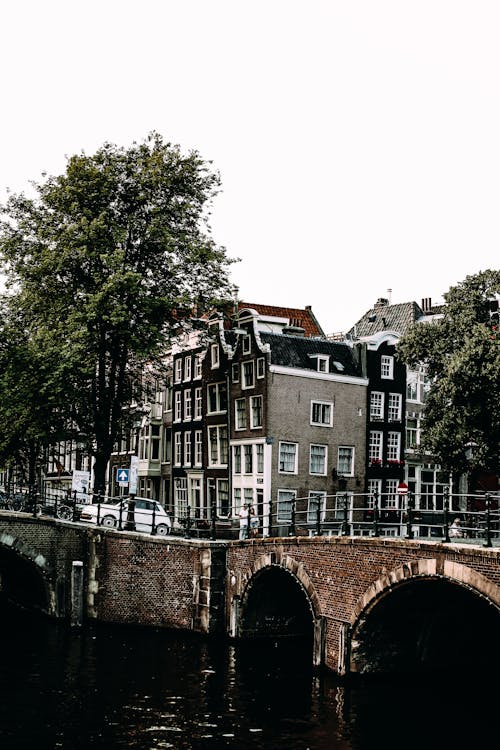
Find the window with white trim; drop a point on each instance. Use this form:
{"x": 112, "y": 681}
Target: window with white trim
{"x": 374, "y": 490}
{"x": 187, "y": 368}
{"x": 198, "y": 402}
{"x": 181, "y": 497}
{"x": 216, "y": 398}
{"x": 178, "y": 371}
{"x": 178, "y": 406}
{"x": 387, "y": 367}
{"x": 391, "y": 496}
{"x": 178, "y": 449}
{"x": 345, "y": 461}
{"x": 412, "y": 433}
{"x": 288, "y": 458}
{"x": 393, "y": 446}
{"x": 375, "y": 446}
{"x": 248, "y": 456}
{"x": 322, "y": 413}
{"x": 240, "y": 414}
{"x": 261, "y": 367}
{"x": 187, "y": 404}
{"x": 394, "y": 407}
{"x": 255, "y": 412}
{"x": 246, "y": 344}
{"x": 286, "y": 499}
{"x": 236, "y": 501}
{"x": 198, "y": 448}
{"x": 237, "y": 459}
{"x": 197, "y": 367}
{"x": 187, "y": 449}
{"x": 317, "y": 459}
{"x": 316, "y": 502}
{"x": 376, "y": 405}
{"x": 214, "y": 355}
{"x": 248, "y": 375}
{"x": 223, "y": 505}
{"x": 260, "y": 457}
{"x": 218, "y": 447}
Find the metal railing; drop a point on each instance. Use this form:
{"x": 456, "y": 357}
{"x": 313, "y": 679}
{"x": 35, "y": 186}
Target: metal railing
{"x": 341, "y": 514}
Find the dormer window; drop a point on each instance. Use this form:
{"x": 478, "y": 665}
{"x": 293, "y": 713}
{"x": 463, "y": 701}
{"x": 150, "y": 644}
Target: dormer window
{"x": 214, "y": 355}
{"x": 322, "y": 362}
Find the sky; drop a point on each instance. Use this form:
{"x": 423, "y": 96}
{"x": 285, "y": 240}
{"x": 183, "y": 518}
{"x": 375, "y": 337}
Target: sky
{"x": 357, "y": 141}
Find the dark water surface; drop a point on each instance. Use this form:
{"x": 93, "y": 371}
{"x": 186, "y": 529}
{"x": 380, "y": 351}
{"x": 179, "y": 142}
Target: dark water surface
{"x": 116, "y": 688}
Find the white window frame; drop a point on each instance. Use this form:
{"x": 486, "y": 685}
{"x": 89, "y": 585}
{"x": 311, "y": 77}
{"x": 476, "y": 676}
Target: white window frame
{"x": 291, "y": 496}
{"x": 387, "y": 367}
{"x": 214, "y": 356}
{"x": 220, "y": 388}
{"x": 197, "y": 367}
{"x": 178, "y": 406}
{"x": 178, "y": 449}
{"x": 261, "y": 367}
{"x": 188, "y": 405}
{"x": 281, "y": 463}
{"x": 377, "y": 405}
{"x": 393, "y": 446}
{"x": 394, "y": 407}
{"x": 323, "y": 460}
{"x": 316, "y": 498}
{"x": 246, "y": 344}
{"x": 326, "y": 413}
{"x": 375, "y": 446}
{"x": 198, "y": 402}
{"x": 341, "y": 461}
{"x": 240, "y": 414}
{"x": 246, "y": 382}
{"x": 178, "y": 371}
{"x": 256, "y": 406}
{"x": 220, "y": 443}
{"x": 187, "y": 449}
{"x": 198, "y": 448}
{"x": 187, "y": 369}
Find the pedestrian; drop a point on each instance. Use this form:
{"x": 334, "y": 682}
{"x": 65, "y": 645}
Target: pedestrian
{"x": 456, "y": 529}
{"x": 254, "y": 522}
{"x": 244, "y": 522}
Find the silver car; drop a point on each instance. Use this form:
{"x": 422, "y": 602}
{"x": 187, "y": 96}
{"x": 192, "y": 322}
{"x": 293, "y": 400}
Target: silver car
{"x": 108, "y": 514}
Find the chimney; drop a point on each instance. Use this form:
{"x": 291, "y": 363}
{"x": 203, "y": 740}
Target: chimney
{"x": 381, "y": 302}
{"x": 426, "y": 304}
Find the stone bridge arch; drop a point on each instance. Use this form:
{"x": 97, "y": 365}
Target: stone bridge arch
{"x": 452, "y": 614}
{"x": 26, "y": 576}
{"x": 275, "y": 597}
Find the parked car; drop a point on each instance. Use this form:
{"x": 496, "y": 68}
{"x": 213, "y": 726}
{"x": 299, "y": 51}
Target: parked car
{"x": 108, "y": 514}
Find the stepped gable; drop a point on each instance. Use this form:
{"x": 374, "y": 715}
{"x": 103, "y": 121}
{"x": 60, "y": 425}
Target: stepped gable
{"x": 297, "y": 317}
{"x": 300, "y": 352}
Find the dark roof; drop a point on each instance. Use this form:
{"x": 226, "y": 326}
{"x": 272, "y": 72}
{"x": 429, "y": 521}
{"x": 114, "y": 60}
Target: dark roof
{"x": 296, "y": 316}
{"x": 299, "y": 351}
{"x": 386, "y": 317}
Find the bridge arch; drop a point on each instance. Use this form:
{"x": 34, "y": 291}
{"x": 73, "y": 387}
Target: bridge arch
{"x": 278, "y": 600}
{"x": 423, "y": 617}
{"x": 25, "y": 575}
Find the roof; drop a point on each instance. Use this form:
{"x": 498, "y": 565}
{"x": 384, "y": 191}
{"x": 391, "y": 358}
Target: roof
{"x": 297, "y": 317}
{"x": 301, "y": 352}
{"x": 384, "y": 316}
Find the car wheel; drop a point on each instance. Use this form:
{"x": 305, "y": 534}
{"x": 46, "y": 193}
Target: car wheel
{"x": 162, "y": 529}
{"x": 108, "y": 521}
{"x": 64, "y": 512}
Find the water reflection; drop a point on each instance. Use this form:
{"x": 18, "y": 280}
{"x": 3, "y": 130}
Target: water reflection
{"x": 119, "y": 688}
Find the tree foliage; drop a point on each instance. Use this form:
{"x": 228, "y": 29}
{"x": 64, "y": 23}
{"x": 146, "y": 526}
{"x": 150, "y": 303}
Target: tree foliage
{"x": 462, "y": 353}
{"x": 102, "y": 261}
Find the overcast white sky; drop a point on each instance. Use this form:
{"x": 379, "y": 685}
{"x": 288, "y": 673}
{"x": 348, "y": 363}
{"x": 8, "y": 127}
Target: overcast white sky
{"x": 358, "y": 141}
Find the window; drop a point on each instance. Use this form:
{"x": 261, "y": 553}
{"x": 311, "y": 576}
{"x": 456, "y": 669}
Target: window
{"x": 178, "y": 406}
{"x": 187, "y": 404}
{"x": 286, "y": 499}
{"x": 321, "y": 362}
{"x": 198, "y": 403}
{"x": 236, "y": 501}
{"x": 315, "y": 503}
{"x": 240, "y": 413}
{"x": 248, "y": 375}
{"x": 187, "y": 368}
{"x": 180, "y": 497}
{"x": 392, "y": 498}
{"x": 178, "y": 370}
{"x": 197, "y": 367}
{"x": 393, "y": 446}
{"x": 236, "y": 373}
{"x": 217, "y": 398}
{"x": 260, "y": 458}
{"x": 288, "y": 458}
{"x": 248, "y": 496}
{"x": 255, "y": 412}
{"x": 394, "y": 409}
{"x": 187, "y": 449}
{"x": 217, "y": 442}
{"x": 376, "y": 405}
{"x": 198, "y": 448}
{"x": 374, "y": 490}
{"x": 214, "y": 355}
{"x": 248, "y": 453}
{"x": 247, "y": 344}
{"x": 387, "y": 367}
{"x": 155, "y": 442}
{"x": 178, "y": 449}
{"x": 317, "y": 459}
{"x": 412, "y": 433}
{"x": 223, "y": 507}
{"x": 237, "y": 459}
{"x": 322, "y": 413}
{"x": 167, "y": 444}
{"x": 261, "y": 367}
{"x": 375, "y": 447}
{"x": 345, "y": 462}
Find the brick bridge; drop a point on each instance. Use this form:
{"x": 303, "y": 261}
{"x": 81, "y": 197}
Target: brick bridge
{"x": 364, "y": 604}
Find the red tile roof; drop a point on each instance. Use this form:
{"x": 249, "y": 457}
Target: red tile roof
{"x": 301, "y": 318}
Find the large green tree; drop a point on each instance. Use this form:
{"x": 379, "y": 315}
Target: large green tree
{"x": 103, "y": 260}
{"x": 462, "y": 353}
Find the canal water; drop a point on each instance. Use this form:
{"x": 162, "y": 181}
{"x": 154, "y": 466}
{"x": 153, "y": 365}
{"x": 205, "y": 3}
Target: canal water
{"x": 115, "y": 688}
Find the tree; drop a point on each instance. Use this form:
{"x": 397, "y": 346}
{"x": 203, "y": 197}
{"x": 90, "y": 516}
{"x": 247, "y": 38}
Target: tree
{"x": 103, "y": 261}
{"x": 462, "y": 353}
